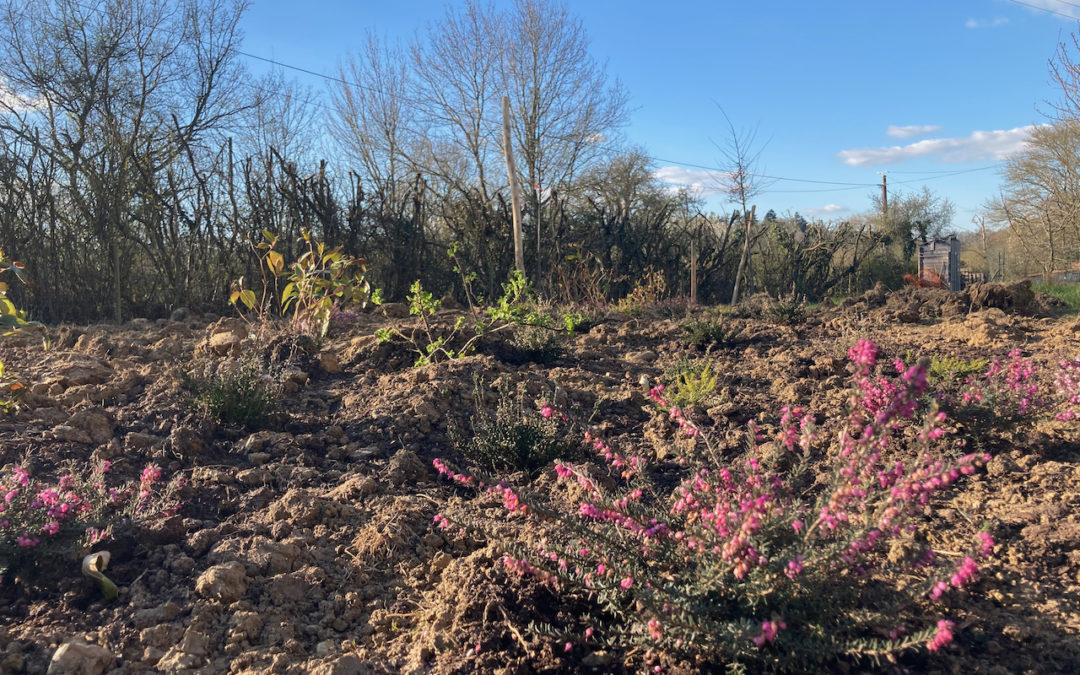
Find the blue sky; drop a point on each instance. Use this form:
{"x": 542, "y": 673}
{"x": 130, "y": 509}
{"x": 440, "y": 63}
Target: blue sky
{"x": 838, "y": 90}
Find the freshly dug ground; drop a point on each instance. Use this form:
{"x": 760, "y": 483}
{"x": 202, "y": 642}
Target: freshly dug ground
{"x": 309, "y": 546}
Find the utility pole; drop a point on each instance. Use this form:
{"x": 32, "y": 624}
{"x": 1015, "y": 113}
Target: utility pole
{"x": 884, "y": 199}
{"x": 515, "y": 189}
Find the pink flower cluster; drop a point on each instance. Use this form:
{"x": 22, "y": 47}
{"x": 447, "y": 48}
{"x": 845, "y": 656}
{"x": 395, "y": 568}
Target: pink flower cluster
{"x": 769, "y": 630}
{"x": 942, "y": 637}
{"x": 797, "y": 429}
{"x": 677, "y": 416}
{"x": 510, "y": 498}
{"x": 1067, "y": 389}
{"x": 747, "y": 524}
{"x": 1008, "y": 387}
{"x": 74, "y": 504}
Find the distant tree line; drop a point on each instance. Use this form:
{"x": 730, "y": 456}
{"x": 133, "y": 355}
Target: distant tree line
{"x": 138, "y": 157}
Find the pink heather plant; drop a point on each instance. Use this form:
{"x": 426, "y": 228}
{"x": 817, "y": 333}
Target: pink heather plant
{"x": 1067, "y": 390}
{"x": 1009, "y": 390}
{"x": 750, "y": 559}
{"x": 1017, "y": 389}
{"x": 43, "y": 523}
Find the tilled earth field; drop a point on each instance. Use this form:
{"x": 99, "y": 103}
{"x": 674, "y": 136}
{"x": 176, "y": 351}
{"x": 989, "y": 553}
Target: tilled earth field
{"x": 310, "y": 547}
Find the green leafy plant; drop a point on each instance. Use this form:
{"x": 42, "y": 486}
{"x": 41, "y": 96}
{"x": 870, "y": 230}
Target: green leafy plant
{"x": 516, "y": 307}
{"x": 12, "y": 320}
{"x": 318, "y": 284}
{"x": 946, "y": 368}
{"x": 243, "y": 396}
{"x": 694, "y": 382}
{"x": 424, "y": 339}
{"x": 514, "y": 437}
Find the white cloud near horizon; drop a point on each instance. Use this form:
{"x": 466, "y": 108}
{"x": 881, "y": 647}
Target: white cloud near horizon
{"x": 827, "y": 210}
{"x": 911, "y": 130}
{"x": 701, "y": 182}
{"x": 979, "y": 146}
{"x": 986, "y": 23}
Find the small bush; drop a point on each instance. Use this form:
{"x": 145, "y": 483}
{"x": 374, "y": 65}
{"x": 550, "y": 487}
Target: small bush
{"x": 788, "y": 310}
{"x": 950, "y": 369}
{"x": 514, "y": 437}
{"x": 648, "y": 292}
{"x": 537, "y": 344}
{"x": 709, "y": 331}
{"x": 321, "y": 284}
{"x": 241, "y": 397}
{"x": 45, "y": 527}
{"x": 693, "y": 382}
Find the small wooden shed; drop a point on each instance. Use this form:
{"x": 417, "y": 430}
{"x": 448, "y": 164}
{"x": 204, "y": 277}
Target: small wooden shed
{"x": 941, "y": 258}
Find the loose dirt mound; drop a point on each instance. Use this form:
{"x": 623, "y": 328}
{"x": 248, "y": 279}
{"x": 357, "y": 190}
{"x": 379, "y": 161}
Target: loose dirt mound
{"x": 309, "y": 546}
{"x": 913, "y": 304}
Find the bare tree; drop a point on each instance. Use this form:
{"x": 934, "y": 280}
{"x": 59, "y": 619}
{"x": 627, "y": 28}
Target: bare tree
{"x": 456, "y": 73}
{"x": 1040, "y": 198}
{"x": 122, "y": 91}
{"x": 562, "y": 99}
{"x": 742, "y": 183}
{"x": 376, "y": 123}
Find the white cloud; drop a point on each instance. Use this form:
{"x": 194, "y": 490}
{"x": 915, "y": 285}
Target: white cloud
{"x": 9, "y": 100}
{"x": 911, "y": 130}
{"x": 986, "y": 23}
{"x": 827, "y": 210}
{"x": 1059, "y": 7}
{"x": 979, "y": 146}
{"x": 700, "y": 182}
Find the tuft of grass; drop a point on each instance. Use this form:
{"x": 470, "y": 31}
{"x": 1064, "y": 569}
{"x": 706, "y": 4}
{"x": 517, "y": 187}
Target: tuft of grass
{"x": 1067, "y": 293}
{"x": 537, "y": 344}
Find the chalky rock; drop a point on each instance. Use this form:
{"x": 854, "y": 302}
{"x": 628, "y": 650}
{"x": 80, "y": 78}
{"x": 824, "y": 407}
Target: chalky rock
{"x": 76, "y": 657}
{"x": 225, "y": 582}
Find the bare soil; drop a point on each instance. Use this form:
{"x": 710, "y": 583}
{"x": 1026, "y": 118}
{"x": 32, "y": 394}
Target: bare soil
{"x": 309, "y": 546}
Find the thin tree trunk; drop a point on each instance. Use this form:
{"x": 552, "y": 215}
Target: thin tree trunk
{"x": 515, "y": 189}
{"x": 744, "y": 257}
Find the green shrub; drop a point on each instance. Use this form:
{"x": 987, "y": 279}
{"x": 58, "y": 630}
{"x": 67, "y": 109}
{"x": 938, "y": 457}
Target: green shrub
{"x": 788, "y": 310}
{"x": 693, "y": 382}
{"x": 709, "y": 331}
{"x": 514, "y": 437}
{"x": 537, "y": 344}
{"x": 946, "y": 368}
{"x": 321, "y": 284}
{"x": 241, "y": 397}
{"x": 516, "y": 308}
